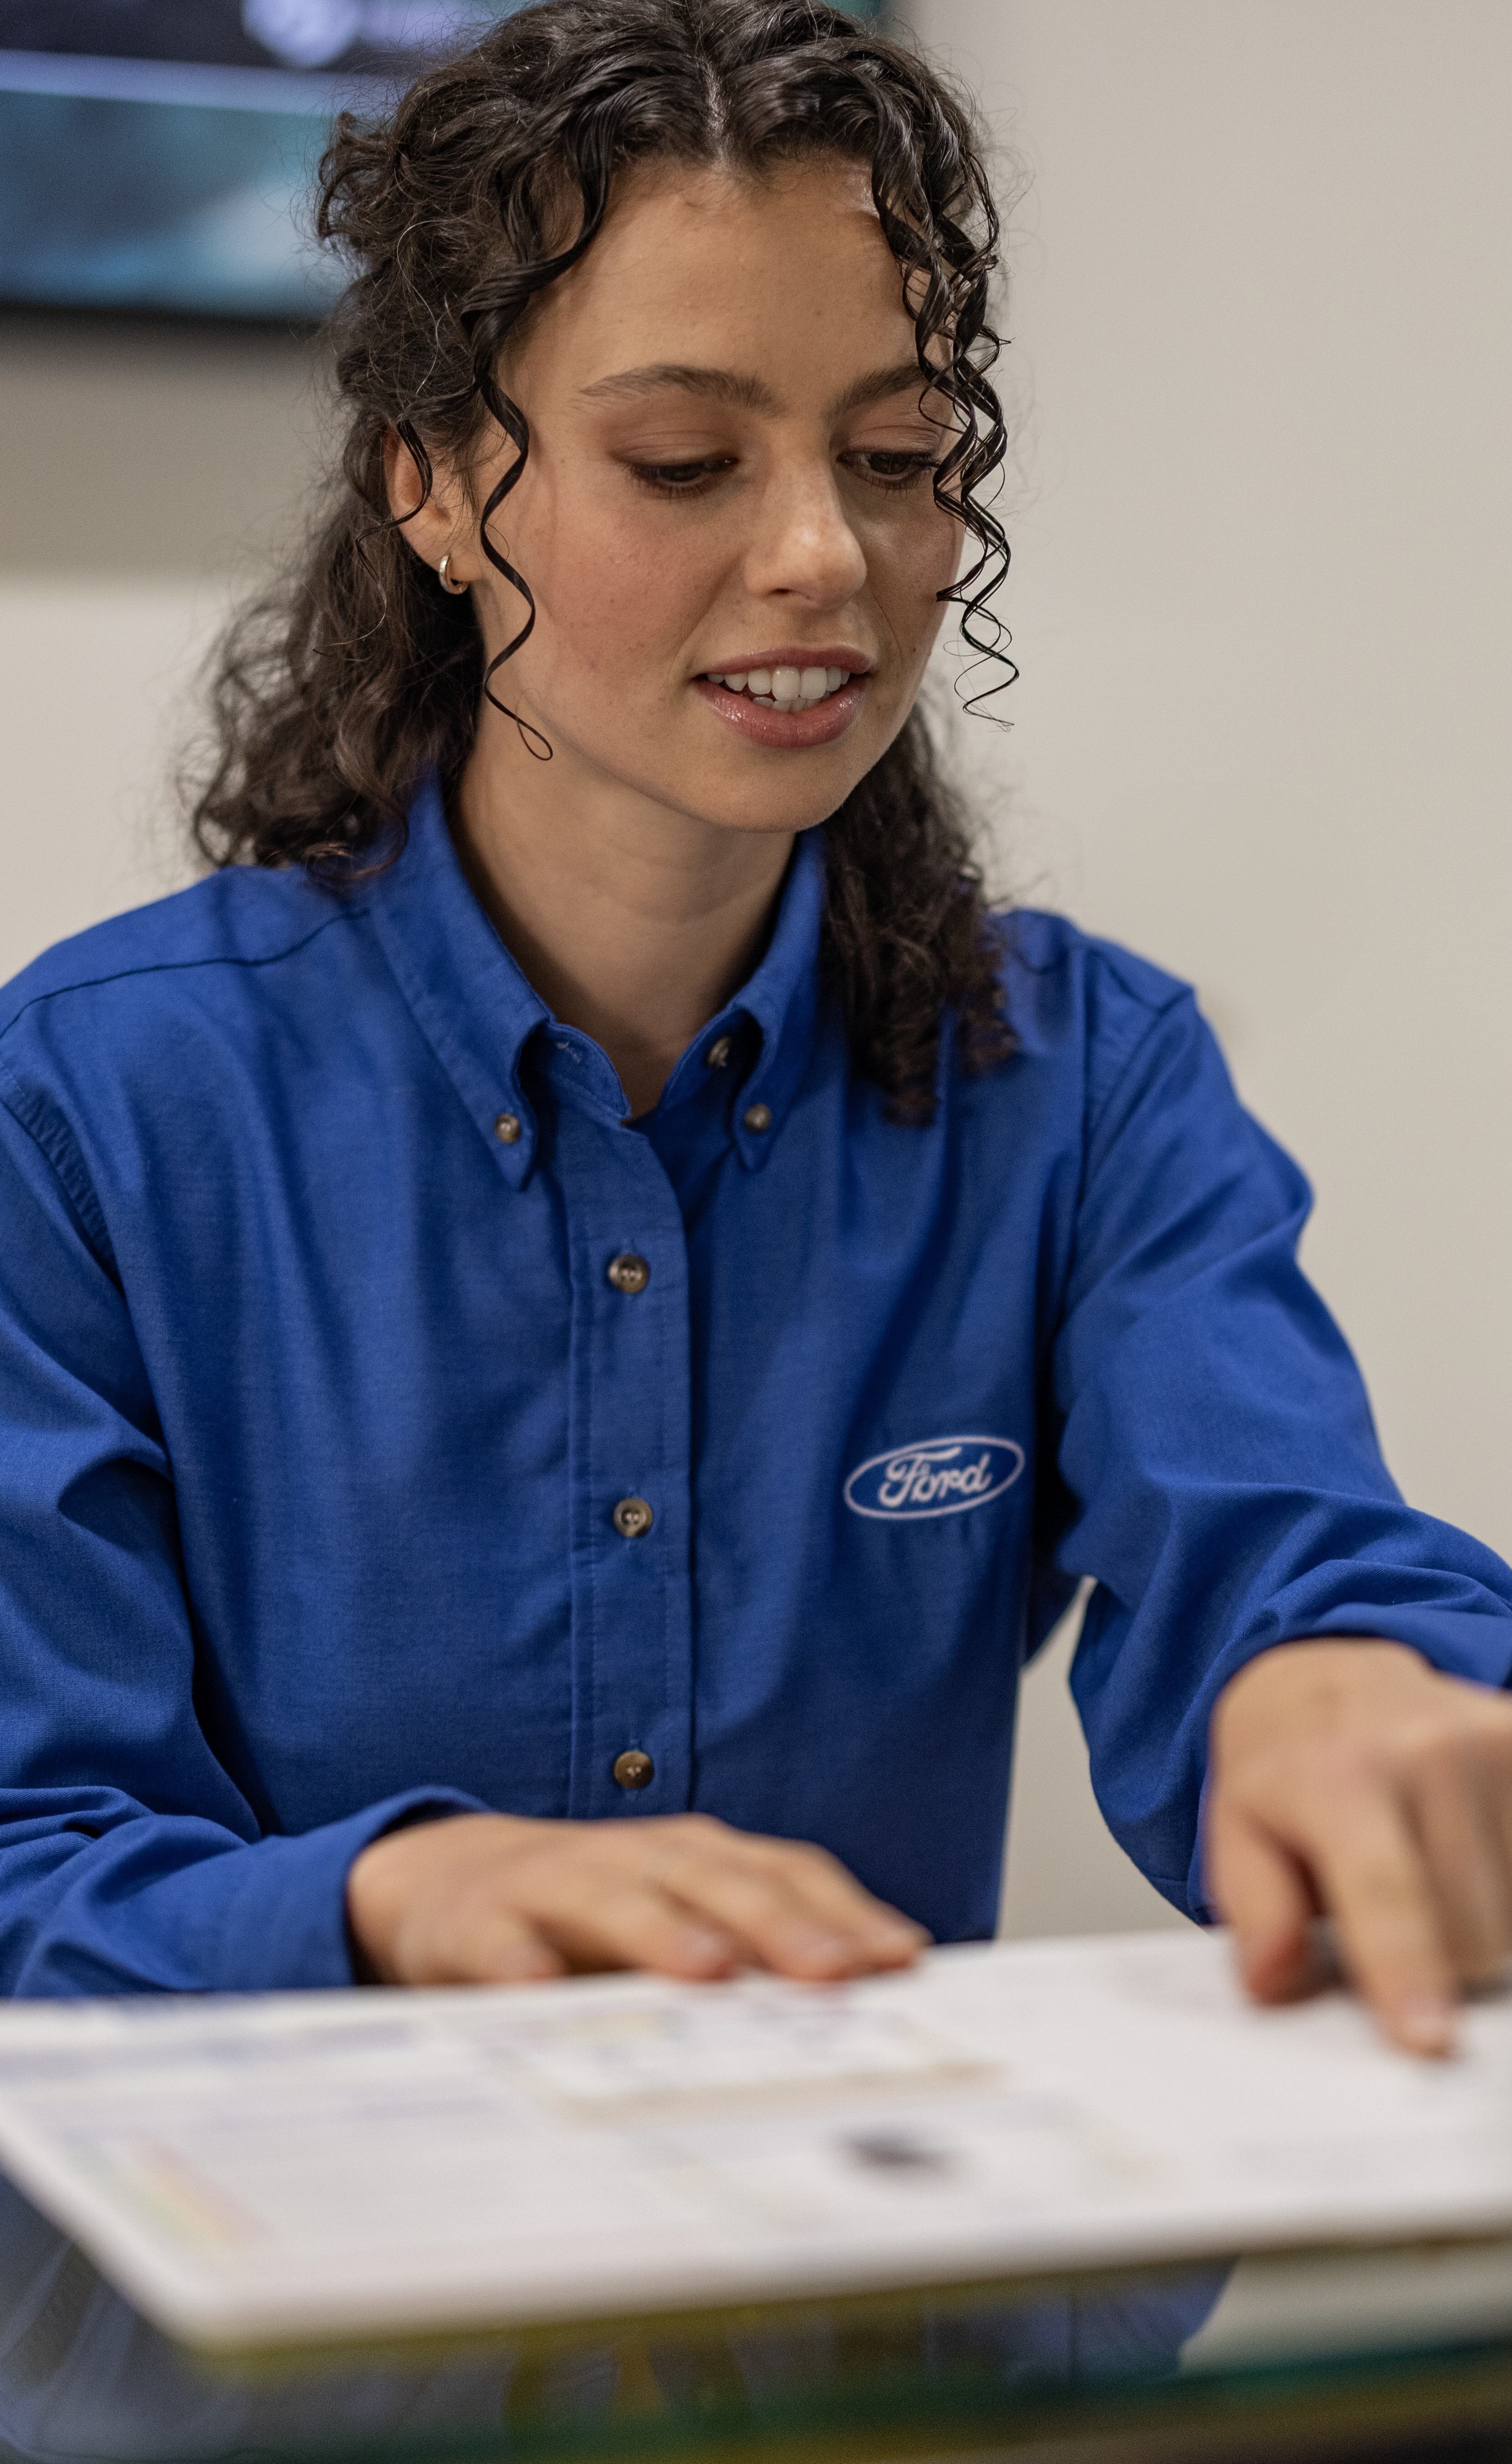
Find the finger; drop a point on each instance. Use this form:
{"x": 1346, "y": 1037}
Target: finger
{"x": 1494, "y": 1774}
{"x": 822, "y": 1883}
{"x": 780, "y": 1928}
{"x": 1262, "y": 1895}
{"x": 480, "y": 1943}
{"x": 1369, "y": 1875}
{"x": 793, "y": 1907}
{"x": 1462, "y": 1846}
{"x": 597, "y": 1917}
{"x": 1498, "y": 1794}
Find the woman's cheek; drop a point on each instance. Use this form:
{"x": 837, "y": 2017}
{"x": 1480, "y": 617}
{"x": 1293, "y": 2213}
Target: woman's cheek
{"x": 939, "y": 553}
{"x": 630, "y": 598}
{"x": 913, "y": 556}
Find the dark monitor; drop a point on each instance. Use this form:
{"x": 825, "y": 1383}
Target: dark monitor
{"x": 156, "y": 154}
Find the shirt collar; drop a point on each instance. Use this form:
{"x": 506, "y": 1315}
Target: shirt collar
{"x": 478, "y": 1012}
{"x": 469, "y": 998}
{"x": 774, "y": 1010}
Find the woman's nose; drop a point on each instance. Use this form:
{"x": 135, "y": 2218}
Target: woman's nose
{"x": 805, "y": 544}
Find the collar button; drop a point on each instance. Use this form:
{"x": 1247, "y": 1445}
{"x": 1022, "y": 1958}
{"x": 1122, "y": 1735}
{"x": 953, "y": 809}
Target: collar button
{"x": 758, "y": 1118}
{"x": 718, "y": 1054}
{"x": 507, "y": 1128}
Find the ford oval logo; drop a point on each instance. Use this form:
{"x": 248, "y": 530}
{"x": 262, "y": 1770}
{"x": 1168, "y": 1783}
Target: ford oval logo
{"x": 936, "y": 1476}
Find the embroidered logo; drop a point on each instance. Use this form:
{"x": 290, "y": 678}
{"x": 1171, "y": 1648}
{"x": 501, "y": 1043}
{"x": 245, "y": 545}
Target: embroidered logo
{"x": 936, "y": 1476}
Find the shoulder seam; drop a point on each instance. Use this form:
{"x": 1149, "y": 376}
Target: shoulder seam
{"x": 28, "y": 1110}
{"x": 1183, "y": 993}
{"x": 1106, "y": 954}
{"x": 180, "y": 967}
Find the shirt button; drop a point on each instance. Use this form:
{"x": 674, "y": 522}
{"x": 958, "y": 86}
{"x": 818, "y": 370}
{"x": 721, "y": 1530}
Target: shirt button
{"x": 628, "y": 1273}
{"x": 757, "y": 1117}
{"x": 633, "y": 1518}
{"x": 506, "y": 1129}
{"x": 633, "y": 1769}
{"x": 718, "y": 1056}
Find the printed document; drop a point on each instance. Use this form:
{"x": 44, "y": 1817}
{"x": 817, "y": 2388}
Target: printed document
{"x": 251, "y": 2170}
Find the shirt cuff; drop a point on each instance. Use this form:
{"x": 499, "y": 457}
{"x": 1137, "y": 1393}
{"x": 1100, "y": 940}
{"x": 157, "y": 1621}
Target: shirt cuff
{"x": 1459, "y": 1642}
{"x": 284, "y": 1922}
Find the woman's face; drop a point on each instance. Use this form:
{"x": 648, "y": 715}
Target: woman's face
{"x": 729, "y": 477}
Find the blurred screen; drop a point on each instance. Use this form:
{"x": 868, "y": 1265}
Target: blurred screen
{"x": 157, "y": 154}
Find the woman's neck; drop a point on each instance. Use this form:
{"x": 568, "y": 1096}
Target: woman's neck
{"x": 632, "y": 922}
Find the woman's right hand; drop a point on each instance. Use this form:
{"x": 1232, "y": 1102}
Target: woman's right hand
{"x": 491, "y": 1899}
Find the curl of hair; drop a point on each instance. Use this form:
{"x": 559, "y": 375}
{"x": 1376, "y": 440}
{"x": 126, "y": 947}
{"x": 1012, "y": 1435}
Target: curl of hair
{"x": 332, "y": 695}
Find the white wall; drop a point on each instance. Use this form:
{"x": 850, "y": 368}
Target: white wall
{"x": 1262, "y": 595}
{"x": 1263, "y": 532}
{"x": 142, "y": 477}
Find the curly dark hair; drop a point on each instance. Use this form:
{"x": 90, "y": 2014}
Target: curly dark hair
{"x": 333, "y": 694}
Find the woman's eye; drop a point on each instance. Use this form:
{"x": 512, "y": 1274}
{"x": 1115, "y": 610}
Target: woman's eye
{"x": 679, "y": 479}
{"x": 893, "y": 470}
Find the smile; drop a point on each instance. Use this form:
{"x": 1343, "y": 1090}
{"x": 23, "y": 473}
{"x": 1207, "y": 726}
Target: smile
{"x": 786, "y": 688}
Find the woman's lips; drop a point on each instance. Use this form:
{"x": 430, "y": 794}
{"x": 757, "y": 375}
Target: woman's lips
{"x": 789, "y": 730}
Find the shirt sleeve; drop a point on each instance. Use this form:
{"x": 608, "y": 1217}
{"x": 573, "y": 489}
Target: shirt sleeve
{"x": 1223, "y": 1482}
{"x": 129, "y": 1860}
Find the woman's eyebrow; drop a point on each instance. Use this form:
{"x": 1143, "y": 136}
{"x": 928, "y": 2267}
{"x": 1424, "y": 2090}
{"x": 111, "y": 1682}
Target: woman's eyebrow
{"x": 716, "y": 385}
{"x": 907, "y": 377}
{"x": 745, "y": 392}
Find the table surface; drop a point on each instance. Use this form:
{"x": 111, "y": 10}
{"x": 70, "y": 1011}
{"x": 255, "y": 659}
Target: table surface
{"x": 1388, "y": 2355}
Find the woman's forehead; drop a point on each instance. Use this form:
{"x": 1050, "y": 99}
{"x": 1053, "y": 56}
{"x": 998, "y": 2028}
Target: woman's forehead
{"x": 700, "y": 266}
{"x": 733, "y": 190}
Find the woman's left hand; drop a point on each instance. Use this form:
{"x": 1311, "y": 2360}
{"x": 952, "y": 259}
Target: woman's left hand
{"x": 1350, "y": 1780}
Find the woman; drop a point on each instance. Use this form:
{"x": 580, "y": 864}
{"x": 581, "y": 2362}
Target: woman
{"x": 572, "y": 1315}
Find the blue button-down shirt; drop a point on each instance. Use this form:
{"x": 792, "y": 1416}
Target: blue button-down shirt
{"x": 316, "y": 1401}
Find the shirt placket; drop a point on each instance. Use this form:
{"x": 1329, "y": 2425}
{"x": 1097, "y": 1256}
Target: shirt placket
{"x": 629, "y": 1439}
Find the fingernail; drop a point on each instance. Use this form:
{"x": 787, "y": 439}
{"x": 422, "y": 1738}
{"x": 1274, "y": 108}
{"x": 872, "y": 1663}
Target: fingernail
{"x": 708, "y": 1949}
{"x": 902, "y": 1929}
{"x": 526, "y": 1967}
{"x": 830, "y": 1950}
{"x": 1428, "y": 2024}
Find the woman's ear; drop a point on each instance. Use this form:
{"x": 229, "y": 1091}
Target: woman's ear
{"x": 426, "y": 517}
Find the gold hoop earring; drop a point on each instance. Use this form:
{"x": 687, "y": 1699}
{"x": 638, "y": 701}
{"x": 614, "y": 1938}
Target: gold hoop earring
{"x": 457, "y": 589}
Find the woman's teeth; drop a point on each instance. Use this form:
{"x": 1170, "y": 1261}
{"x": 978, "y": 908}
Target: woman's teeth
{"x": 786, "y": 688}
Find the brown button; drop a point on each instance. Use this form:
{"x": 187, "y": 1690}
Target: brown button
{"x": 628, "y": 1273}
{"x": 632, "y": 1518}
{"x": 633, "y": 1769}
{"x": 757, "y": 1117}
{"x": 718, "y": 1056}
{"x": 506, "y": 1129}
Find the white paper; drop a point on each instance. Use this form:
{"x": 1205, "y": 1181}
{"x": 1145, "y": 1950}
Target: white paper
{"x": 258, "y": 2169}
